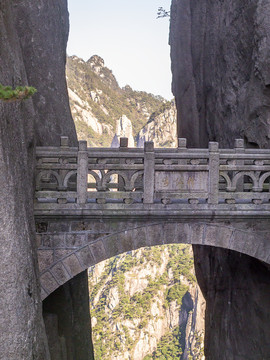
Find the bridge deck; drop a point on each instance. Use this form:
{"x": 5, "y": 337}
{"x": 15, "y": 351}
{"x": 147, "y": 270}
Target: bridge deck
{"x": 171, "y": 183}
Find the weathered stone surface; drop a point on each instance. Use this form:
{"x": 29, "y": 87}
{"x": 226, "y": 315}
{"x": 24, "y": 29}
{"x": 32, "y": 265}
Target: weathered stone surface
{"x": 32, "y": 51}
{"x": 220, "y": 64}
{"x": 44, "y": 58}
{"x": 20, "y": 306}
{"x": 67, "y": 310}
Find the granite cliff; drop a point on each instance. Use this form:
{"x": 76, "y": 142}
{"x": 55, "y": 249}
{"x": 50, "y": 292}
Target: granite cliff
{"x": 102, "y": 111}
{"x": 146, "y": 305}
{"x": 220, "y": 63}
{"x": 24, "y": 52}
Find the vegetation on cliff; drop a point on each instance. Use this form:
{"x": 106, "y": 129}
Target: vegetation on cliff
{"x": 97, "y": 101}
{"x": 136, "y": 300}
{"x": 19, "y": 93}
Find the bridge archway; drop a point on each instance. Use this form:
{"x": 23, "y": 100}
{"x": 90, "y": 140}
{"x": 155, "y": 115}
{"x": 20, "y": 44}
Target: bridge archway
{"x": 65, "y": 250}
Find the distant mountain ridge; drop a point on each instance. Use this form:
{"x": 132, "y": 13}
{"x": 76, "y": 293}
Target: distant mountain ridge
{"x": 97, "y": 102}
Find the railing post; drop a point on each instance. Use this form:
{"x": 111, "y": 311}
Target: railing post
{"x": 64, "y": 142}
{"x": 182, "y": 143}
{"x": 239, "y": 148}
{"x": 123, "y": 147}
{"x": 182, "y": 146}
{"x": 82, "y": 173}
{"x": 149, "y": 172}
{"x": 213, "y": 173}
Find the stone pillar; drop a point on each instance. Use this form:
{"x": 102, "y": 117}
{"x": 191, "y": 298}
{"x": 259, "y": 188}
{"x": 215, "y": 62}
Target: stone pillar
{"x": 82, "y": 173}
{"x": 149, "y": 172}
{"x": 123, "y": 147}
{"x": 213, "y": 173}
{"x": 239, "y": 148}
{"x": 182, "y": 146}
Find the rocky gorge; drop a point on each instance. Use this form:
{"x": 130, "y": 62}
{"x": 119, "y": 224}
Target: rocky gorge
{"x": 220, "y": 65}
{"x": 146, "y": 305}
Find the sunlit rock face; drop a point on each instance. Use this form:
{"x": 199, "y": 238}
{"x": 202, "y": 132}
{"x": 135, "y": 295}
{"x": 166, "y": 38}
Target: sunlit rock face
{"x": 123, "y": 129}
{"x": 137, "y": 310}
{"x": 161, "y": 129}
{"x": 220, "y": 63}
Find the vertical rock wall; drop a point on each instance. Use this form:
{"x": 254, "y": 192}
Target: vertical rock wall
{"x": 220, "y": 62}
{"x": 67, "y": 311}
{"x": 220, "y": 52}
{"x": 32, "y": 51}
{"x": 21, "y": 326}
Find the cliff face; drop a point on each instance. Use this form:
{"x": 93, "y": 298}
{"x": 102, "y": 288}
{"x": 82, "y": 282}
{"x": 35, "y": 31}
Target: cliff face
{"x": 101, "y": 108}
{"x": 146, "y": 305}
{"x": 20, "y": 309}
{"x": 161, "y": 128}
{"x": 32, "y": 51}
{"x": 220, "y": 64}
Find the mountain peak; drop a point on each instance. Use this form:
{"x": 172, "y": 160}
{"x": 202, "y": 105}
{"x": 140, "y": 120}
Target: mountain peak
{"x": 96, "y": 63}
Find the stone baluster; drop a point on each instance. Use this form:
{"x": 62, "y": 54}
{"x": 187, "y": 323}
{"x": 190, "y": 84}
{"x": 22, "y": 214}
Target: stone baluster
{"x": 149, "y": 172}
{"x": 182, "y": 143}
{"x": 82, "y": 173}
{"x": 213, "y": 173}
{"x": 182, "y": 146}
{"x": 64, "y": 142}
{"x": 239, "y": 148}
{"x": 123, "y": 147}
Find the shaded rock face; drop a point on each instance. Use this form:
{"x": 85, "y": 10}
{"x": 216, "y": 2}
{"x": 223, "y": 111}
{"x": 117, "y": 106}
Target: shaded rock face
{"x": 43, "y": 27}
{"x": 220, "y": 64}
{"x": 237, "y": 290}
{"x": 20, "y": 306}
{"x": 32, "y": 51}
{"x": 67, "y": 321}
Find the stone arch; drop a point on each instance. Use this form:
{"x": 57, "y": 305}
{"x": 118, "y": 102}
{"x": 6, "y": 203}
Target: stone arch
{"x": 105, "y": 246}
{"x": 248, "y": 174}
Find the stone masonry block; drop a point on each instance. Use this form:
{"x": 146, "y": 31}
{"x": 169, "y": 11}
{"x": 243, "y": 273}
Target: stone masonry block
{"x": 75, "y": 240}
{"x": 263, "y": 249}
{"x": 113, "y": 245}
{"x": 46, "y": 241}
{"x": 72, "y": 265}
{"x": 58, "y": 226}
{"x": 197, "y": 233}
{"x": 155, "y": 235}
{"x": 43, "y": 294}
{"x": 138, "y": 238}
{"x": 218, "y": 236}
{"x": 98, "y": 251}
{"x": 61, "y": 253}
{"x": 94, "y": 236}
{"x": 60, "y": 273}
{"x": 45, "y": 259}
{"x": 48, "y": 282}
{"x": 85, "y": 257}
{"x": 58, "y": 240}
{"x": 182, "y": 233}
{"x": 244, "y": 242}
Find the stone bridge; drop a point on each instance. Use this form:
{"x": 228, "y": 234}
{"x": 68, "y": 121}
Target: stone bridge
{"x": 94, "y": 203}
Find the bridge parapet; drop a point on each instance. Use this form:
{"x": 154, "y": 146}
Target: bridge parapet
{"x": 178, "y": 180}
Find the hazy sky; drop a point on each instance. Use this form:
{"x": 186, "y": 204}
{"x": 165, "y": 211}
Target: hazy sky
{"x": 127, "y": 35}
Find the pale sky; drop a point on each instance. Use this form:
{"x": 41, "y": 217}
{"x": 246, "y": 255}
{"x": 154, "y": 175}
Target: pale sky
{"x": 127, "y": 35}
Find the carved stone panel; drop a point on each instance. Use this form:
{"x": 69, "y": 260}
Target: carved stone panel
{"x": 181, "y": 181}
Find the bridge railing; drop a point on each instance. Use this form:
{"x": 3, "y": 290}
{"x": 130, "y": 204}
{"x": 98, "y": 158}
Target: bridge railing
{"x": 84, "y": 176}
